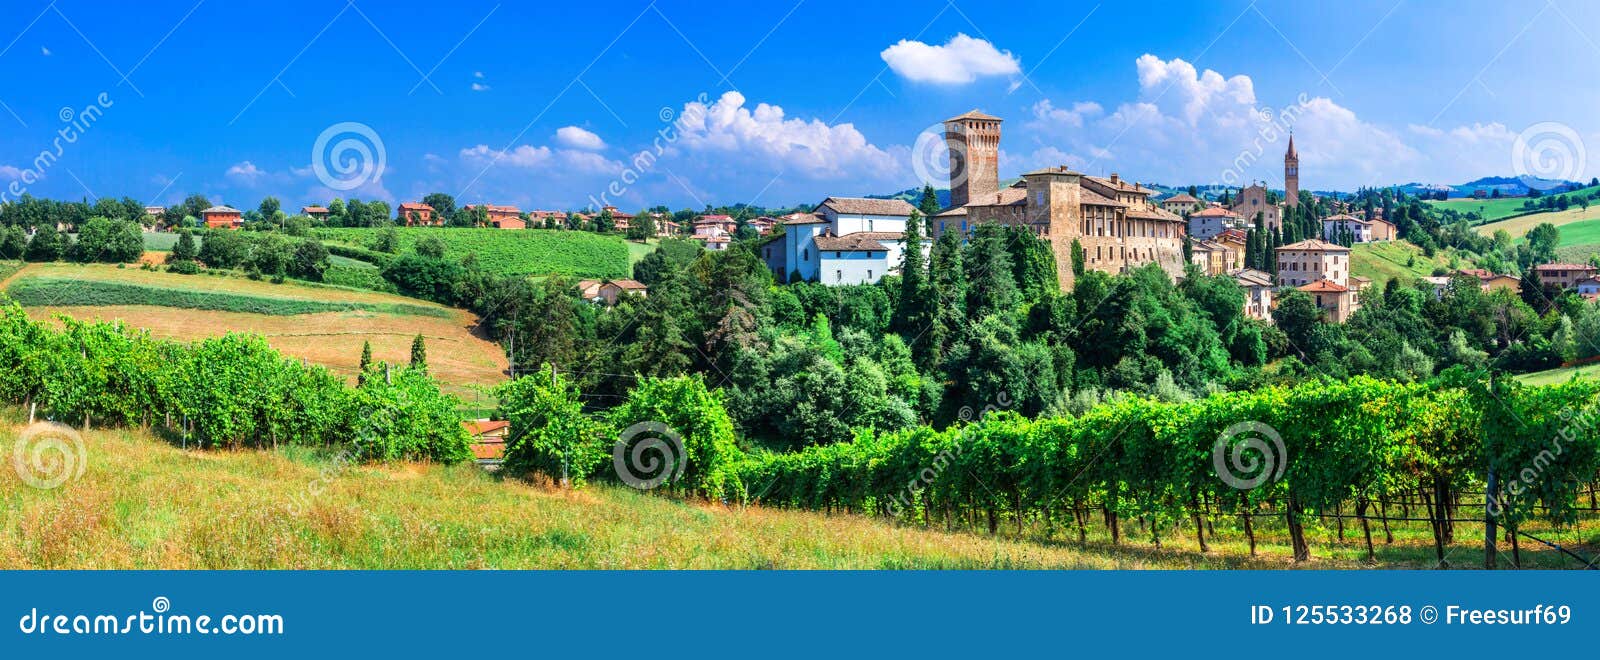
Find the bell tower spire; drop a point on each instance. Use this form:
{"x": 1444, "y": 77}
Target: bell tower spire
{"x": 1291, "y": 175}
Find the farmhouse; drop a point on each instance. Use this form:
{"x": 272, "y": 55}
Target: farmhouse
{"x": 1335, "y": 300}
{"x": 1258, "y": 288}
{"x": 1335, "y": 227}
{"x": 488, "y": 439}
{"x": 1311, "y": 260}
{"x": 222, "y": 217}
{"x": 613, "y": 290}
{"x": 763, "y": 225}
{"x": 315, "y": 212}
{"x": 1383, "y": 230}
{"x": 504, "y": 217}
{"x": 845, "y": 240}
{"x": 1563, "y": 275}
{"x": 417, "y": 214}
{"x": 1182, "y": 203}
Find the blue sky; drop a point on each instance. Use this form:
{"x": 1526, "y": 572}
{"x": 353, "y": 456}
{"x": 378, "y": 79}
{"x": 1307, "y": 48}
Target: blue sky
{"x": 546, "y": 105}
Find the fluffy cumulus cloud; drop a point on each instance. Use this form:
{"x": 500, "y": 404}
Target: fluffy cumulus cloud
{"x": 10, "y": 172}
{"x": 246, "y": 173}
{"x": 1188, "y": 125}
{"x": 749, "y": 142}
{"x": 960, "y": 60}
{"x": 578, "y": 138}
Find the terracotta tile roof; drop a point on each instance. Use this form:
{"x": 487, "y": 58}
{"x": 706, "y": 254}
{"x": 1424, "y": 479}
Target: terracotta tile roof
{"x": 1214, "y": 212}
{"x": 1004, "y": 197}
{"x": 220, "y": 209}
{"x": 415, "y": 206}
{"x": 1059, "y": 169}
{"x": 864, "y": 206}
{"x": 714, "y": 218}
{"x": 952, "y": 212}
{"x": 1091, "y": 198}
{"x": 1324, "y": 286}
{"x": 1154, "y": 214}
{"x": 629, "y": 285}
{"x": 314, "y": 209}
{"x": 1561, "y": 267}
{"x": 1251, "y": 277}
{"x": 1119, "y": 184}
{"x": 974, "y": 114}
{"x": 1345, "y": 217}
{"x": 1181, "y": 198}
{"x": 857, "y": 242}
{"x": 1315, "y": 245}
{"x": 479, "y": 427}
{"x": 802, "y": 219}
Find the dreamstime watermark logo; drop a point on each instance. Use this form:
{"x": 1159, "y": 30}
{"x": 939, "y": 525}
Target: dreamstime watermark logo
{"x": 348, "y": 155}
{"x": 644, "y": 161}
{"x": 1272, "y": 127}
{"x": 48, "y": 454}
{"x": 1526, "y": 478}
{"x": 907, "y": 496}
{"x": 649, "y": 454}
{"x": 930, "y": 157}
{"x": 75, "y": 124}
{"x": 1249, "y": 454}
{"x": 1547, "y": 154}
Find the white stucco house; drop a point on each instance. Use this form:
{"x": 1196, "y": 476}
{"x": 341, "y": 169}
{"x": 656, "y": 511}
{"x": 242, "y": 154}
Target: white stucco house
{"x": 844, "y": 240}
{"x": 1334, "y": 225}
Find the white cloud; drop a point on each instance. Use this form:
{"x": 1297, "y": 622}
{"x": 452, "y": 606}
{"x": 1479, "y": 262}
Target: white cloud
{"x": 479, "y": 87}
{"x": 1198, "y": 126}
{"x": 578, "y": 138}
{"x": 765, "y": 139}
{"x": 477, "y": 74}
{"x": 960, "y": 60}
{"x": 246, "y": 173}
{"x": 10, "y": 172}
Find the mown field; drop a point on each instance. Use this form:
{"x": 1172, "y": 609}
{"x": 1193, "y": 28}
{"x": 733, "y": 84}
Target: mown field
{"x": 1391, "y": 259}
{"x": 513, "y": 252}
{"x": 322, "y": 324}
{"x": 1562, "y": 374}
{"x": 1518, "y": 227}
{"x": 143, "y": 503}
{"x": 1494, "y": 209}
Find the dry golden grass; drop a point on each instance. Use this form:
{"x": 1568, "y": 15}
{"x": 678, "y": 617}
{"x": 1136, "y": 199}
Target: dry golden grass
{"x": 145, "y": 504}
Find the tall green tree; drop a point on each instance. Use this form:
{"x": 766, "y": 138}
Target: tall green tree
{"x": 928, "y": 204}
{"x": 419, "y": 354}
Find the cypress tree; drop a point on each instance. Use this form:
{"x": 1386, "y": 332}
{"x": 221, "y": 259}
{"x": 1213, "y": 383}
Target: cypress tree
{"x": 419, "y": 354}
{"x": 366, "y": 362}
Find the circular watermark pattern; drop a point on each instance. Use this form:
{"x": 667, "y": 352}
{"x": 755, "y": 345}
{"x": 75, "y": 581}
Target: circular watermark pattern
{"x": 930, "y": 158}
{"x": 649, "y": 454}
{"x": 160, "y": 604}
{"x": 1547, "y": 154}
{"x": 348, "y": 155}
{"x": 667, "y": 114}
{"x": 48, "y": 454}
{"x": 67, "y": 115}
{"x": 1249, "y": 454}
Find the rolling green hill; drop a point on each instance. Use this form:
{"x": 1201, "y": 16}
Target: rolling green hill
{"x": 1391, "y": 259}
{"x": 1496, "y": 209}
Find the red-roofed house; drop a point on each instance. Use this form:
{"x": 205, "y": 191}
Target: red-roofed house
{"x": 222, "y": 217}
{"x": 488, "y": 439}
{"x": 1565, "y": 276}
{"x": 504, "y": 217}
{"x": 418, "y": 214}
{"x": 315, "y": 212}
{"x": 1336, "y": 300}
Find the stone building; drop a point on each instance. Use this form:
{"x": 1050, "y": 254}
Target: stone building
{"x": 1114, "y": 220}
{"x": 1253, "y": 200}
{"x": 845, "y": 240}
{"x": 1311, "y": 260}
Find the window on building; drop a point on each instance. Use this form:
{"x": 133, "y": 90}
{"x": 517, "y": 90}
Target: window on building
{"x": 838, "y": 276}
{"x": 869, "y": 273}
{"x": 805, "y": 255}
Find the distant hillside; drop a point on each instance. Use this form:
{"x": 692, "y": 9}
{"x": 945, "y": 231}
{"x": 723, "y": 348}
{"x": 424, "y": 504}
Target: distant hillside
{"x": 1509, "y": 186}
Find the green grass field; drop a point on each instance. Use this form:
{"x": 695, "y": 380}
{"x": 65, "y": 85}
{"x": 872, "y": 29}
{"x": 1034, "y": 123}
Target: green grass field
{"x": 1519, "y": 227}
{"x": 1562, "y": 374}
{"x": 1397, "y": 259}
{"x": 1494, "y": 209}
{"x": 144, "y": 503}
{"x": 64, "y": 292}
{"x": 514, "y": 252}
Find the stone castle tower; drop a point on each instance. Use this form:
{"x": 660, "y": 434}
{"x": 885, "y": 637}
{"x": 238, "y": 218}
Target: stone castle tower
{"x": 974, "y": 142}
{"x": 1291, "y": 176}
